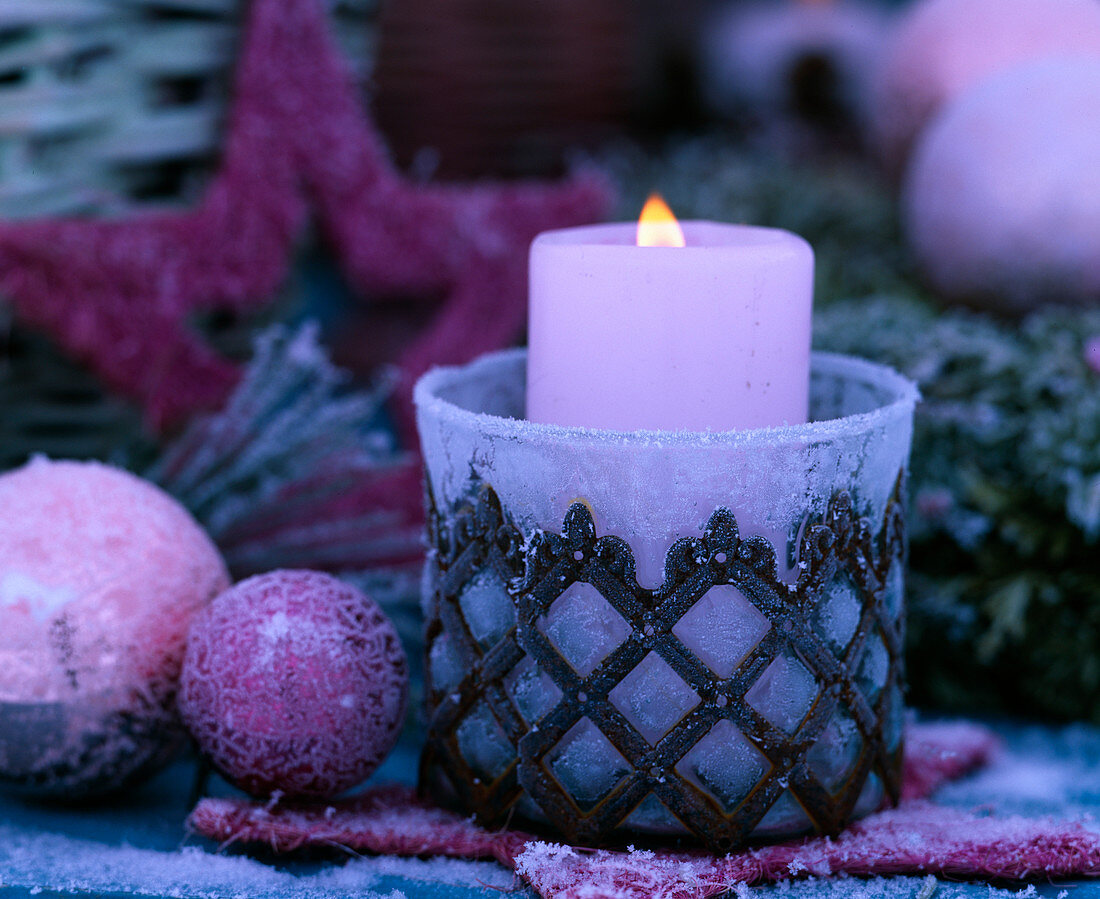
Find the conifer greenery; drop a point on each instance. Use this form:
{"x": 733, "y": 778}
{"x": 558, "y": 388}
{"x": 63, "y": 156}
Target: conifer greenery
{"x": 1004, "y": 505}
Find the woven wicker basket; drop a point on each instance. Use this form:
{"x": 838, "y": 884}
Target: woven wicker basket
{"x": 107, "y": 103}
{"x": 502, "y": 87}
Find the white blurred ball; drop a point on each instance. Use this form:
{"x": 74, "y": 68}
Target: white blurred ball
{"x": 1002, "y": 199}
{"x": 772, "y": 58}
{"x": 944, "y": 47}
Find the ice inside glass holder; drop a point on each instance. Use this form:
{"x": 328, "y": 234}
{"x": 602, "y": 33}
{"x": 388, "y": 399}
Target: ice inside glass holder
{"x": 665, "y": 633}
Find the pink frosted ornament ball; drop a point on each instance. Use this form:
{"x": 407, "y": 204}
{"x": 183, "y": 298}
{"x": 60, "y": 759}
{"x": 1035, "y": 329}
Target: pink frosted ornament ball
{"x": 1002, "y": 200}
{"x": 100, "y": 576}
{"x": 944, "y": 47}
{"x": 294, "y": 682}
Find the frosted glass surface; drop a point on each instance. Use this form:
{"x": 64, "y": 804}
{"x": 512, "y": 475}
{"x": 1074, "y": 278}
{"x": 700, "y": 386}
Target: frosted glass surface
{"x": 784, "y": 693}
{"x": 586, "y": 764}
{"x": 895, "y": 591}
{"x": 722, "y": 628}
{"x": 484, "y": 744}
{"x": 873, "y": 667}
{"x": 895, "y": 720}
{"x": 725, "y": 765}
{"x": 786, "y": 816}
{"x": 654, "y": 487}
{"x": 487, "y": 608}
{"x": 837, "y": 750}
{"x": 532, "y": 690}
{"x": 650, "y": 489}
{"x": 584, "y": 627}
{"x": 651, "y": 816}
{"x": 871, "y": 797}
{"x": 445, "y": 666}
{"x": 836, "y": 615}
{"x": 653, "y": 697}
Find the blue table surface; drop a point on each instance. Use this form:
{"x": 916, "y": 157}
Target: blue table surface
{"x": 137, "y": 845}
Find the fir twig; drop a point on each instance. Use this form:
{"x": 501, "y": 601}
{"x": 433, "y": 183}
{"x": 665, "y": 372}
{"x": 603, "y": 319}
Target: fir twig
{"x": 269, "y": 475}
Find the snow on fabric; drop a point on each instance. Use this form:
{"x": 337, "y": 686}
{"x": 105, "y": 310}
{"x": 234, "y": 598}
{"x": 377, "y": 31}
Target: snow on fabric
{"x": 919, "y": 837}
{"x": 294, "y": 682}
{"x": 100, "y": 576}
{"x": 82, "y": 866}
{"x": 937, "y": 753}
{"x": 386, "y": 820}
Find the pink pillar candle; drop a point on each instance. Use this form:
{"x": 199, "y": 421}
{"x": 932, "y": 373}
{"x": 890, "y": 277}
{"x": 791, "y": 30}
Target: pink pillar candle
{"x": 710, "y": 336}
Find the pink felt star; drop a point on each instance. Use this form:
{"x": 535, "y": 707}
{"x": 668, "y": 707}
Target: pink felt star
{"x": 118, "y": 294}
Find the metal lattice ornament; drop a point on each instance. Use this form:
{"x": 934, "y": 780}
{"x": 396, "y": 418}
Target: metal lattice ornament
{"x": 725, "y": 704}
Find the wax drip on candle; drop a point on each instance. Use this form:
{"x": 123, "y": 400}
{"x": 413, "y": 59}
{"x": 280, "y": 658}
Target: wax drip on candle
{"x": 657, "y": 226}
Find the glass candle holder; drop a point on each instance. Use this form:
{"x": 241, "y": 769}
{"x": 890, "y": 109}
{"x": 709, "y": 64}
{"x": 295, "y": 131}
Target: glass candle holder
{"x": 665, "y": 633}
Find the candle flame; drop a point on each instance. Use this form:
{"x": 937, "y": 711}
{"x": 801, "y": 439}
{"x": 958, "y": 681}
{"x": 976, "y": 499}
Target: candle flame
{"x": 657, "y": 226}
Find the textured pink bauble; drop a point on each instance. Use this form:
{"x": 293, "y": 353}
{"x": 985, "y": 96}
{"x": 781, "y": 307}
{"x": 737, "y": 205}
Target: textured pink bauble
{"x": 294, "y": 682}
{"x": 100, "y": 576}
{"x": 1002, "y": 201}
{"x": 944, "y": 47}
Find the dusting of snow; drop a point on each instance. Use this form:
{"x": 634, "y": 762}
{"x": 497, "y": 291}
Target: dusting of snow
{"x": 53, "y": 862}
{"x": 667, "y": 483}
{"x": 918, "y": 838}
{"x": 276, "y": 628}
{"x": 22, "y": 591}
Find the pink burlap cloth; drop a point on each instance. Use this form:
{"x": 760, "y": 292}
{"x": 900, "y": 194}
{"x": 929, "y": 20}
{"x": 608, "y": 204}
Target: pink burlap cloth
{"x": 917, "y": 837}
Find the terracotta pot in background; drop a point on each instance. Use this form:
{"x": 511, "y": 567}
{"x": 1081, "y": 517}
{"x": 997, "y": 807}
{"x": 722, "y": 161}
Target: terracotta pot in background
{"x": 501, "y": 87}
